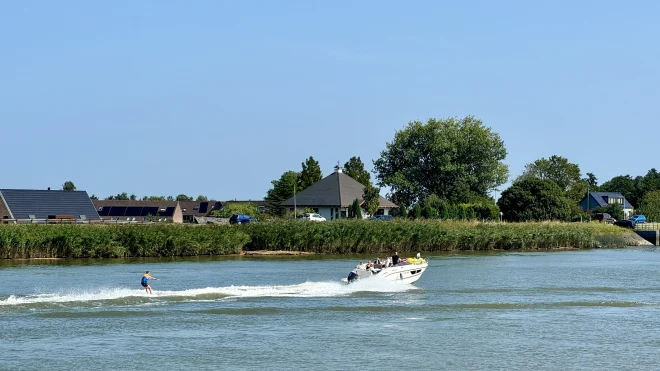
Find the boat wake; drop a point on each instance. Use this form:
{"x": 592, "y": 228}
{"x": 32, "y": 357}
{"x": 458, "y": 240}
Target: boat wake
{"x": 126, "y": 296}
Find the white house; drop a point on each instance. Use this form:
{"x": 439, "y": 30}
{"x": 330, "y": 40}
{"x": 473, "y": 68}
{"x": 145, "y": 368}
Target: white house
{"x": 332, "y": 195}
{"x": 601, "y": 199}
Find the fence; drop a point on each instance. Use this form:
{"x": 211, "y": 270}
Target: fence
{"x": 647, "y": 226}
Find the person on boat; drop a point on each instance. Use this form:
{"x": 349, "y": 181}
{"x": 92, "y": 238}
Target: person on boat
{"x": 145, "y": 282}
{"x": 395, "y": 259}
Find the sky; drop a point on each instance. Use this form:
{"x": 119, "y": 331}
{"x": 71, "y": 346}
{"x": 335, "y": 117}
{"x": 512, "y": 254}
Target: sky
{"x": 220, "y": 98}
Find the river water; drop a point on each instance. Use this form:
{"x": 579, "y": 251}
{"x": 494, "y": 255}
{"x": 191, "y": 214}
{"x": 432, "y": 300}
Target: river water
{"x": 589, "y": 309}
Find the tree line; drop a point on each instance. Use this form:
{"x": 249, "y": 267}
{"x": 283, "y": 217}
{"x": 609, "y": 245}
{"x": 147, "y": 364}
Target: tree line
{"x": 450, "y": 168}
{"x": 70, "y": 186}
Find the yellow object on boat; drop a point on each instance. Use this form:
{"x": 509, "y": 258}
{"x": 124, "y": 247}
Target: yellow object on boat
{"x": 416, "y": 260}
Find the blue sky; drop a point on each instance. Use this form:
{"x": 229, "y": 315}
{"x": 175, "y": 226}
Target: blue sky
{"x": 220, "y": 98}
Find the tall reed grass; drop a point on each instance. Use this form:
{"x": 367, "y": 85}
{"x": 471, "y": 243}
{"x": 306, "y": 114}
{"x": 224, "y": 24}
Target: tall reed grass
{"x": 336, "y": 237}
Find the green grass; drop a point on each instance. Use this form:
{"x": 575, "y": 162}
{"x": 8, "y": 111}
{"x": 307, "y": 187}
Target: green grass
{"x": 336, "y": 237}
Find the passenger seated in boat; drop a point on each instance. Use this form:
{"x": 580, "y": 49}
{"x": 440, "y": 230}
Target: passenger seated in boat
{"x": 369, "y": 265}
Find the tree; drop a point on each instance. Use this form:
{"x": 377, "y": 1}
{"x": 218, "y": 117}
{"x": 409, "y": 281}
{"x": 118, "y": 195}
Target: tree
{"x": 310, "y": 174}
{"x": 355, "y": 169}
{"x": 183, "y": 197}
{"x": 93, "y": 197}
{"x": 557, "y": 169}
{"x": 282, "y": 190}
{"x": 154, "y": 198}
{"x": 133, "y": 197}
{"x": 68, "y": 186}
{"x": 415, "y": 212}
{"x": 403, "y": 211}
{"x": 456, "y": 159}
{"x": 355, "y": 211}
{"x": 202, "y": 198}
{"x": 534, "y": 199}
{"x": 231, "y": 208}
{"x": 371, "y": 198}
{"x": 650, "y": 206}
{"x": 591, "y": 181}
{"x": 170, "y": 198}
{"x": 120, "y": 197}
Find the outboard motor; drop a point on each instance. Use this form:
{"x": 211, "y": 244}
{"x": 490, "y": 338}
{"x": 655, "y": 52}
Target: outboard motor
{"x": 352, "y": 277}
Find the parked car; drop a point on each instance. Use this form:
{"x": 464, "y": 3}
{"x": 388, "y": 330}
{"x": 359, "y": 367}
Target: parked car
{"x": 382, "y": 217}
{"x": 312, "y": 216}
{"x": 625, "y": 224}
{"x": 638, "y": 219}
{"x": 605, "y": 218}
{"x": 241, "y": 219}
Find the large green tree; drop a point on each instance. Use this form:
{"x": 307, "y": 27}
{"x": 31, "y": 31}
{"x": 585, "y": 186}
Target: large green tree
{"x": 534, "y": 199}
{"x": 120, "y": 196}
{"x": 68, "y": 186}
{"x": 183, "y": 197}
{"x": 555, "y": 168}
{"x": 202, "y": 198}
{"x": 650, "y": 206}
{"x": 355, "y": 169}
{"x": 282, "y": 190}
{"x": 456, "y": 159}
{"x": 371, "y": 198}
{"x": 310, "y": 174}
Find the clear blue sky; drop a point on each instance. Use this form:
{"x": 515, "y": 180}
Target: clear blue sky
{"x": 220, "y": 98}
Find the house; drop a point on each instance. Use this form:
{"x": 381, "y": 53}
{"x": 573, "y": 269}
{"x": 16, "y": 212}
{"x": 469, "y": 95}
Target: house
{"x": 193, "y": 209}
{"x": 332, "y": 195}
{"x": 28, "y": 205}
{"x": 175, "y": 211}
{"x": 127, "y": 210}
{"x": 595, "y": 200}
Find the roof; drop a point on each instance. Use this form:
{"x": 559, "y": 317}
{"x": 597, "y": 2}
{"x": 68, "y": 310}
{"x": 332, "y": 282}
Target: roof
{"x": 600, "y": 198}
{"x": 199, "y": 208}
{"x": 23, "y": 203}
{"x": 335, "y": 190}
{"x": 117, "y": 208}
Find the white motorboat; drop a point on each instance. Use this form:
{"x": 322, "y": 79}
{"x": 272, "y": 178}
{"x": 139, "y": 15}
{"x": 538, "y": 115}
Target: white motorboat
{"x": 406, "y": 270}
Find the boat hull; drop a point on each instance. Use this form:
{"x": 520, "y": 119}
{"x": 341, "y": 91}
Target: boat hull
{"x": 409, "y": 273}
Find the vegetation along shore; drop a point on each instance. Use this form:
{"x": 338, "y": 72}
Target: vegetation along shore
{"x": 338, "y": 237}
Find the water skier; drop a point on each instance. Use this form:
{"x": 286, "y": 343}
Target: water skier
{"x": 145, "y": 282}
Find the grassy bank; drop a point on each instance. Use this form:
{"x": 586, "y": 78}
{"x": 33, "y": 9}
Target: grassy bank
{"x": 337, "y": 237}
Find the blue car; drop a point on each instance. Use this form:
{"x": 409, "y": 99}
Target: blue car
{"x": 637, "y": 219}
{"x": 241, "y": 219}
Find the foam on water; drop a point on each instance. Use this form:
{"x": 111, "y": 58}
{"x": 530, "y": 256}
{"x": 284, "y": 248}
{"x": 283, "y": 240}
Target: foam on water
{"x": 307, "y": 289}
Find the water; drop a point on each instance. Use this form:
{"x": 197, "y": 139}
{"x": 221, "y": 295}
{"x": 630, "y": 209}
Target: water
{"x": 594, "y": 309}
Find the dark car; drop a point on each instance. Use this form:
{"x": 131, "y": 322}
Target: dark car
{"x": 382, "y": 217}
{"x": 605, "y": 218}
{"x": 625, "y": 224}
{"x": 241, "y": 219}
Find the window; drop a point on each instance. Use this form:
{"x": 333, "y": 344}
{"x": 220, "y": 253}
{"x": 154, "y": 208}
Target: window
{"x": 196, "y": 207}
{"x": 184, "y": 209}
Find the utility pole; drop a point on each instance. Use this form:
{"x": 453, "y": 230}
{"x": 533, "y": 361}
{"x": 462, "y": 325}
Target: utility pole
{"x": 295, "y": 207}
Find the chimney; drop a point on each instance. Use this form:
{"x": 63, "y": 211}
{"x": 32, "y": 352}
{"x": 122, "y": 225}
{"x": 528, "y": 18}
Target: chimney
{"x": 49, "y": 188}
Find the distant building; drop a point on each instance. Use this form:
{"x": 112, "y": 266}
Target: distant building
{"x": 27, "y": 205}
{"x": 601, "y": 199}
{"x": 155, "y": 211}
{"x": 332, "y": 195}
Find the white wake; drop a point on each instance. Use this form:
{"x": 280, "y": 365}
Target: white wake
{"x": 307, "y": 289}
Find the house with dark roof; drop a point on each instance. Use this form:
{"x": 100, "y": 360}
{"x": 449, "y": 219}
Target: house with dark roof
{"x": 595, "y": 200}
{"x": 139, "y": 211}
{"x": 332, "y": 195}
{"x": 27, "y": 205}
{"x": 155, "y": 211}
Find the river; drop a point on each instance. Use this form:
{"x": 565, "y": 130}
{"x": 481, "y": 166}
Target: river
{"x": 585, "y": 309}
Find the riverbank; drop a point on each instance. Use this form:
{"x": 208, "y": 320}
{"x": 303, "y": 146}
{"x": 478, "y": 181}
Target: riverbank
{"x": 337, "y": 237}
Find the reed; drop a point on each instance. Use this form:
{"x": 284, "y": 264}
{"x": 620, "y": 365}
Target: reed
{"x": 336, "y": 237}
{"x": 109, "y": 241}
